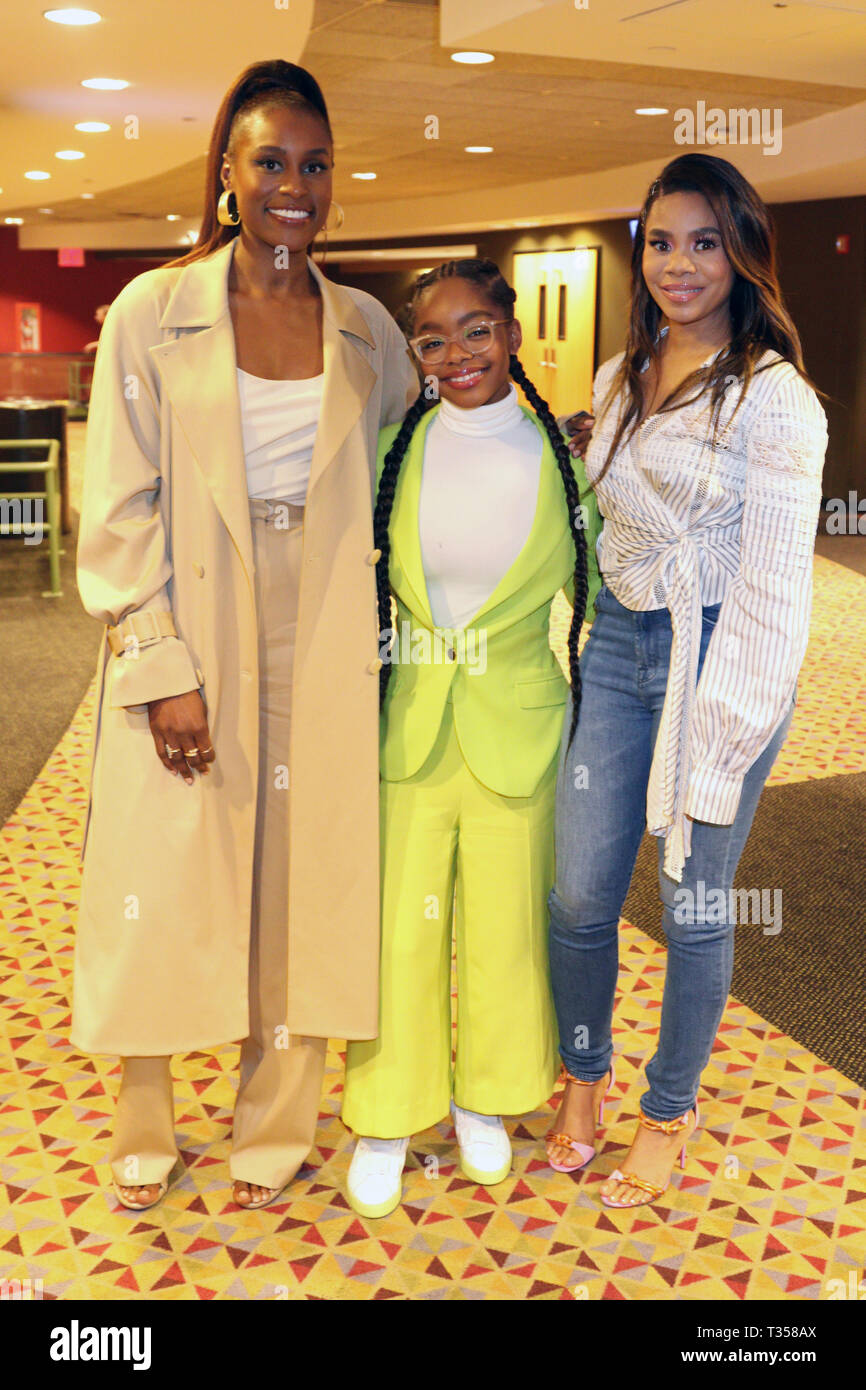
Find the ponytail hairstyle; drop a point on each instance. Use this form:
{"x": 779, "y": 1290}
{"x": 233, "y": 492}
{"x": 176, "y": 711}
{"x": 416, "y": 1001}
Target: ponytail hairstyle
{"x": 490, "y": 281}
{"x": 274, "y": 83}
{"x": 759, "y": 317}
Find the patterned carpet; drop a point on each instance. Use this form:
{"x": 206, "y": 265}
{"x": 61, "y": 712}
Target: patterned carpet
{"x": 772, "y": 1204}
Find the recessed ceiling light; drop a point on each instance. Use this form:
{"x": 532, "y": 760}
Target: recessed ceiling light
{"x": 365, "y": 175}
{"x": 478, "y": 149}
{"x": 72, "y": 16}
{"x": 651, "y": 111}
{"x": 92, "y": 127}
{"x": 172, "y": 217}
{"x": 87, "y": 195}
{"x": 68, "y": 154}
{"x": 105, "y": 84}
{"x": 14, "y": 221}
{"x": 36, "y": 174}
{"x": 468, "y": 56}
{"x": 46, "y": 210}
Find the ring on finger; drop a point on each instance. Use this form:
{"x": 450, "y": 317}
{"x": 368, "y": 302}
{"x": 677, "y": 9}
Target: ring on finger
{"x": 172, "y": 752}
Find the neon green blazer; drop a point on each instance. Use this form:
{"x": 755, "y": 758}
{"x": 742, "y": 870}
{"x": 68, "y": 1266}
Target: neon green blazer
{"x": 506, "y": 685}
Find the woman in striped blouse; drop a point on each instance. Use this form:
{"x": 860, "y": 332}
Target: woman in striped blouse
{"x": 706, "y": 458}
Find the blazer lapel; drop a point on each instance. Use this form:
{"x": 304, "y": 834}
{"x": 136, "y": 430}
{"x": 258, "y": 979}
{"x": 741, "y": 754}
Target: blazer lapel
{"x": 349, "y": 376}
{"x": 199, "y": 370}
{"x": 547, "y": 528}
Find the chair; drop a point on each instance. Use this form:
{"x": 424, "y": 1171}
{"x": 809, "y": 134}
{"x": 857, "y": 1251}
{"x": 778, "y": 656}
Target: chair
{"x": 50, "y": 467}
{"x": 80, "y": 376}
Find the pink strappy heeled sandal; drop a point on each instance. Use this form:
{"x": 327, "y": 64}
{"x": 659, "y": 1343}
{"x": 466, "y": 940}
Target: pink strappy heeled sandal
{"x": 584, "y": 1151}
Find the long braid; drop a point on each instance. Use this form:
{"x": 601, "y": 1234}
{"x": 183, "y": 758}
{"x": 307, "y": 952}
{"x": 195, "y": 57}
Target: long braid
{"x": 572, "y": 497}
{"x": 382, "y": 521}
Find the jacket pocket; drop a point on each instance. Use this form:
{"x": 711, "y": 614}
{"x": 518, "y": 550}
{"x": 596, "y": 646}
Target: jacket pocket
{"x": 541, "y": 690}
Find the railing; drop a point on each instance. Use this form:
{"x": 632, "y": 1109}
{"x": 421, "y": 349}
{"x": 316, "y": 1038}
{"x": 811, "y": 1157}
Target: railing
{"x": 11, "y": 503}
{"x": 45, "y": 375}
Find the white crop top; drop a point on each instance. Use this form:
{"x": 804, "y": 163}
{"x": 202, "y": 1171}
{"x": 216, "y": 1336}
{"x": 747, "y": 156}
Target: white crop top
{"x": 279, "y": 421}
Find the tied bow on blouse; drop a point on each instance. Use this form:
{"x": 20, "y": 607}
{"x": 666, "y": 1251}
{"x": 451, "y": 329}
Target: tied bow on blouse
{"x": 653, "y": 534}
{"x": 659, "y": 537}
{"x": 732, "y": 518}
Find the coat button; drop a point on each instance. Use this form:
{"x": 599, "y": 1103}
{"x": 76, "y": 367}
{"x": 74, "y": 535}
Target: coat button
{"x": 199, "y": 569}
{"x": 199, "y": 677}
{"x": 374, "y": 557}
{"x": 375, "y": 666}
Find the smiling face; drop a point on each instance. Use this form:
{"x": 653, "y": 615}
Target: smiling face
{"x": 281, "y": 172}
{"x": 465, "y": 378}
{"x": 684, "y": 263}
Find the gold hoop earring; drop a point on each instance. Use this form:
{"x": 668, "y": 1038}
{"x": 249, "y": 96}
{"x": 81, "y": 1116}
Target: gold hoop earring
{"x": 340, "y": 218}
{"x": 227, "y": 209}
{"x": 325, "y": 229}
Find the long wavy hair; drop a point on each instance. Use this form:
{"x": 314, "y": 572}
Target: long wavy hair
{"x": 759, "y": 318}
{"x": 492, "y": 284}
{"x": 275, "y": 83}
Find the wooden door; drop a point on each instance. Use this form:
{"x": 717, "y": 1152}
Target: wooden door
{"x": 556, "y": 295}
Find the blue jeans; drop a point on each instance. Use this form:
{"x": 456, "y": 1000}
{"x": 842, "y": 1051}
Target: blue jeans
{"x": 600, "y": 819}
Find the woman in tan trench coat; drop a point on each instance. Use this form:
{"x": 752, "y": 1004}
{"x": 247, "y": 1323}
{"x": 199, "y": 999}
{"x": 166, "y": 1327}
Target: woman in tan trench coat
{"x": 197, "y": 887}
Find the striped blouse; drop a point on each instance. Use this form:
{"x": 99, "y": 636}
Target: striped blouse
{"x": 688, "y": 523}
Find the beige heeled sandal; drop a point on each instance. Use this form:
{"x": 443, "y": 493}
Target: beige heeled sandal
{"x": 162, "y": 1188}
{"x": 273, "y": 1193}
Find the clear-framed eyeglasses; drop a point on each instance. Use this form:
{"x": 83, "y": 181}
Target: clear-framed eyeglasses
{"x": 476, "y": 338}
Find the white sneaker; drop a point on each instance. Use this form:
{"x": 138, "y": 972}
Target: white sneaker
{"x": 374, "y": 1186}
{"x": 485, "y": 1148}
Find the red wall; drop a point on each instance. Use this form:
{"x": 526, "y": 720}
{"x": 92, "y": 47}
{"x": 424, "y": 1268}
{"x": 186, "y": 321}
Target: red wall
{"x": 68, "y": 295}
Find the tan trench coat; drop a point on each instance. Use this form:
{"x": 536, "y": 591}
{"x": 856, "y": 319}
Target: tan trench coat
{"x": 163, "y": 930}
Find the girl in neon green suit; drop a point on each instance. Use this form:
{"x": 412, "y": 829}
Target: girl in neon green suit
{"x": 482, "y": 516}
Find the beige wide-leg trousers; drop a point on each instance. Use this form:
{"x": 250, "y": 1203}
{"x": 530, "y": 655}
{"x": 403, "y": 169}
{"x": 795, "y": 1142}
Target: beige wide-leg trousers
{"x": 280, "y": 1075}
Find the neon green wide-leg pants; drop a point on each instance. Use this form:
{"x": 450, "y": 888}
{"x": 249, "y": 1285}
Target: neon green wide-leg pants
{"x": 440, "y": 829}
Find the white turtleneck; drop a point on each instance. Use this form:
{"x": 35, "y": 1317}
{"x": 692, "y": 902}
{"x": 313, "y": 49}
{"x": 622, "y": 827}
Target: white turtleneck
{"x": 479, "y": 493}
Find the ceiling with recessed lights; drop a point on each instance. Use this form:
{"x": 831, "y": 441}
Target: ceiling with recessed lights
{"x": 177, "y": 59}
{"x": 561, "y": 119}
{"x": 801, "y": 40}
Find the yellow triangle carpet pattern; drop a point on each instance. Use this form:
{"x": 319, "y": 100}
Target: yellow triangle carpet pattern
{"x": 772, "y": 1204}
